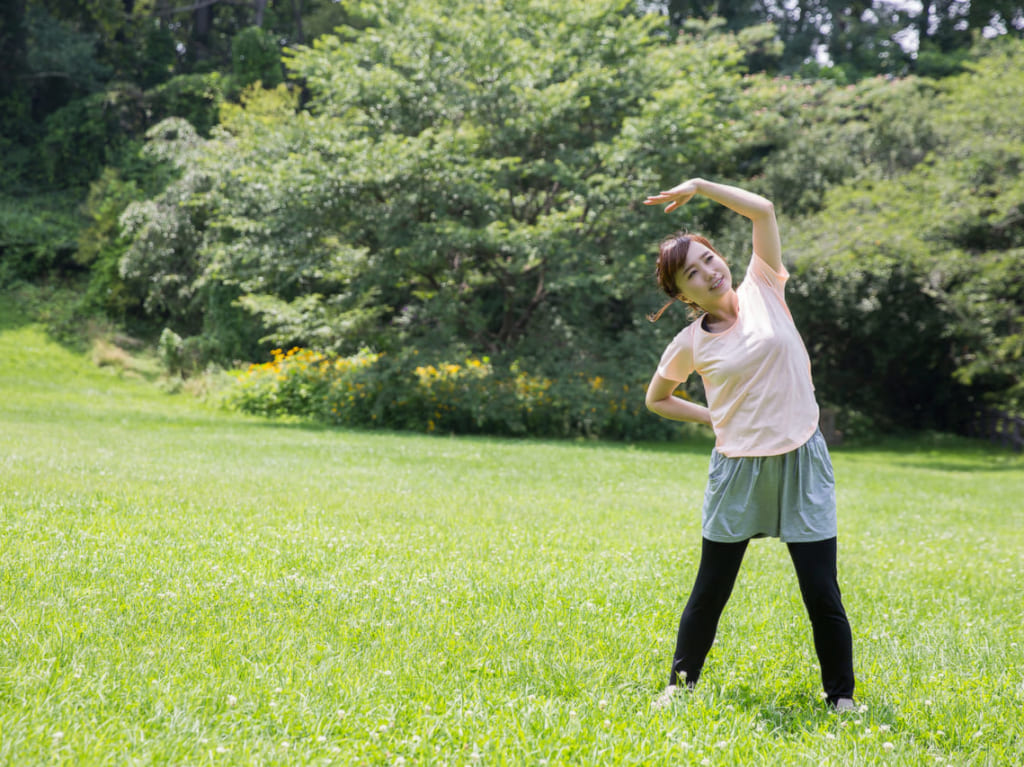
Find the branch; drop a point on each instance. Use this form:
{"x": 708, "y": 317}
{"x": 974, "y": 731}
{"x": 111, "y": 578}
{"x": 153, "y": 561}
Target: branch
{"x": 185, "y": 8}
{"x": 43, "y": 75}
{"x": 550, "y": 199}
{"x": 196, "y": 6}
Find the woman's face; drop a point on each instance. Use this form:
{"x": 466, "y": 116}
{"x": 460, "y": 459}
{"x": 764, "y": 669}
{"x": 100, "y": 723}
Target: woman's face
{"x": 704, "y": 277}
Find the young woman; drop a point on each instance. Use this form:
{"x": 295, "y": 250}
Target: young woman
{"x": 770, "y": 473}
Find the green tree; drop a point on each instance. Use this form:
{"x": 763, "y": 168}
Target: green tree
{"x": 909, "y": 279}
{"x": 467, "y": 180}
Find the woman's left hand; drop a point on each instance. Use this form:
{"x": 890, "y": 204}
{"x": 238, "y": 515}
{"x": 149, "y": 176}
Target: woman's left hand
{"x": 676, "y": 196}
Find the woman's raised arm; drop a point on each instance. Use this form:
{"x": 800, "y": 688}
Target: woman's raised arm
{"x": 760, "y": 211}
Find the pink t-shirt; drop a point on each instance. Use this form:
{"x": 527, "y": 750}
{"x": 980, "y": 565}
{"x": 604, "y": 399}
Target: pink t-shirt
{"x": 757, "y": 375}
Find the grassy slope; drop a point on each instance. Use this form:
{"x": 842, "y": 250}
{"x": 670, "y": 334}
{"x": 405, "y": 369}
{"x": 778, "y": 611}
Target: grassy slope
{"x": 179, "y": 585}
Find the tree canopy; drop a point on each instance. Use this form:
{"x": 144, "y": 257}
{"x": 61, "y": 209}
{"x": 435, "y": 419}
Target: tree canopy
{"x": 463, "y": 179}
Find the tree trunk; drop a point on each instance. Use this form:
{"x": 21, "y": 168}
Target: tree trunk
{"x": 260, "y": 6}
{"x": 922, "y": 22}
{"x": 297, "y": 15}
{"x": 12, "y": 44}
{"x": 203, "y": 22}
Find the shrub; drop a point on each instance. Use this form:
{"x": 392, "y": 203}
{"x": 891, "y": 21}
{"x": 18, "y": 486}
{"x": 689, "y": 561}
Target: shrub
{"x": 91, "y": 132}
{"x": 37, "y": 236}
{"x": 255, "y": 55}
{"x": 468, "y": 397}
{"x": 171, "y": 350}
{"x": 194, "y": 97}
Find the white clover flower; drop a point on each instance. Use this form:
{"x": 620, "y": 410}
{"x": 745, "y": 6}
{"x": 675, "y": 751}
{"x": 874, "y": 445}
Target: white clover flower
{"x": 232, "y": 700}
{"x": 888, "y": 746}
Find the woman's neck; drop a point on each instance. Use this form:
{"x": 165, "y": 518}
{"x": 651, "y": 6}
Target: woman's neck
{"x": 723, "y": 314}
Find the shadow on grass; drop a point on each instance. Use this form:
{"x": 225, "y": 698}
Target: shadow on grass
{"x": 933, "y": 451}
{"x": 689, "y": 446}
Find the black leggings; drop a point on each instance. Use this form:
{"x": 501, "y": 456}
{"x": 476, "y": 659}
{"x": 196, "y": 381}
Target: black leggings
{"x": 815, "y": 565}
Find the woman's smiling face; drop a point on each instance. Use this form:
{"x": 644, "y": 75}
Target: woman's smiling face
{"x": 704, "y": 277}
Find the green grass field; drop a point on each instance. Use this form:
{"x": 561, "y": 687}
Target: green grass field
{"x": 184, "y": 586}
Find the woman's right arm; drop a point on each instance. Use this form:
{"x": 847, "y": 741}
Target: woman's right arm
{"x": 661, "y": 400}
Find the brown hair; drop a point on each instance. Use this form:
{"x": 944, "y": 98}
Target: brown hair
{"x": 671, "y": 257}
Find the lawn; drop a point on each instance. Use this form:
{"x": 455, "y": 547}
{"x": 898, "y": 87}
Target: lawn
{"x": 180, "y": 585}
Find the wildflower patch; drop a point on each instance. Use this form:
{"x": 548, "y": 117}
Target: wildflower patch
{"x": 471, "y": 396}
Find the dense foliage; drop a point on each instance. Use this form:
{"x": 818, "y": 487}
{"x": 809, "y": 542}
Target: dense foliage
{"x": 436, "y": 183}
{"x": 471, "y": 396}
{"x": 451, "y": 186}
{"x": 916, "y": 315}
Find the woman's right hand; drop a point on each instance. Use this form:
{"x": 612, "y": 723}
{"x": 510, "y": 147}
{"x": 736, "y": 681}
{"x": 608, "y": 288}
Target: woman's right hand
{"x": 676, "y": 196}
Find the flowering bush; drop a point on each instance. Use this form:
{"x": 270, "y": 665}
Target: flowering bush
{"x": 469, "y": 397}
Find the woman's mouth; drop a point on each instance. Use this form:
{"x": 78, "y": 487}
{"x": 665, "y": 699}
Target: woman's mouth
{"x": 717, "y": 283}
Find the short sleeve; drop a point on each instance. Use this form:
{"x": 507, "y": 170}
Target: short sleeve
{"x": 677, "y": 360}
{"x": 763, "y": 273}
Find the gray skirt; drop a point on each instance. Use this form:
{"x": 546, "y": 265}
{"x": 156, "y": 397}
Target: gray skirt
{"x": 790, "y": 496}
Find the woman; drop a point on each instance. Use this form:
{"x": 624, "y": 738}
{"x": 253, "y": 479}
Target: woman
{"x": 770, "y": 472}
